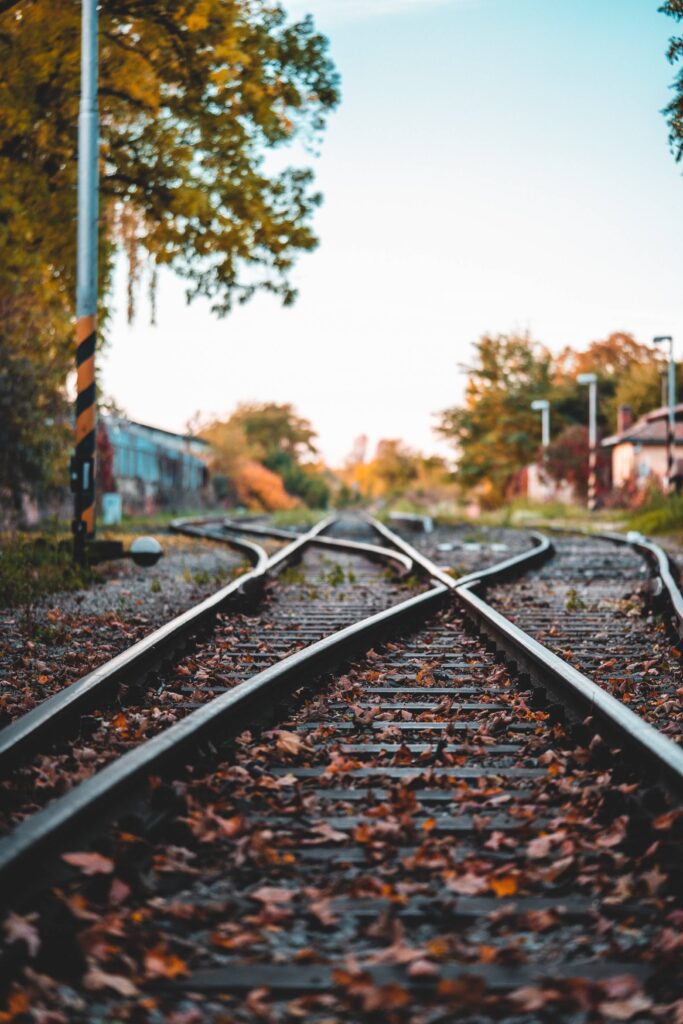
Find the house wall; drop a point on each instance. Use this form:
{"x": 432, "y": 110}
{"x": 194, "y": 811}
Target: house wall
{"x": 642, "y": 463}
{"x": 540, "y": 487}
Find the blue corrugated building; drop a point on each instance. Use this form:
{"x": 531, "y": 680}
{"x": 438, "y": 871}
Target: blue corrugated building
{"x": 153, "y": 467}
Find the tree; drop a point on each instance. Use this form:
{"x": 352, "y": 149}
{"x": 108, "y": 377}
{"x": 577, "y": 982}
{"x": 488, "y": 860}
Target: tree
{"x": 494, "y": 432}
{"x": 628, "y": 374}
{"x": 275, "y": 438}
{"x": 238, "y": 477}
{"x": 302, "y": 481}
{"x": 674, "y": 110}
{"x": 395, "y": 466}
{"x": 193, "y": 94}
{"x": 271, "y": 428}
{"x": 640, "y": 388}
{"x": 34, "y": 415}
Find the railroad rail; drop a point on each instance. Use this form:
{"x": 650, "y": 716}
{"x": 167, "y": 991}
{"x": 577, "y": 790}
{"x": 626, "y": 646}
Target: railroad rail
{"x": 57, "y": 716}
{"x": 394, "y": 790}
{"x": 593, "y": 604}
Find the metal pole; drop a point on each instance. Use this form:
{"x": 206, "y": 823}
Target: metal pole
{"x": 671, "y": 423}
{"x": 83, "y": 462}
{"x": 545, "y": 427}
{"x": 592, "y": 445}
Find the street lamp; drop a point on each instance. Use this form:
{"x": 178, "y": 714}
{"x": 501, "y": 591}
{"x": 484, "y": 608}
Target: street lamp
{"x": 542, "y": 405}
{"x": 671, "y": 418}
{"x": 591, "y": 379}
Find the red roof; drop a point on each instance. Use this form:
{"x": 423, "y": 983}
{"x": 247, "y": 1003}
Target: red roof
{"x": 650, "y": 429}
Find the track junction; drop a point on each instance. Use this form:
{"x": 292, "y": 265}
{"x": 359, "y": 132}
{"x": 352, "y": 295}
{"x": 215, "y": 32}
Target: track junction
{"x": 368, "y": 791}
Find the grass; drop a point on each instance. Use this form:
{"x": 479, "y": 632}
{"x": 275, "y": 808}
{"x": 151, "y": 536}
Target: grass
{"x": 157, "y": 521}
{"x": 661, "y": 515}
{"x": 33, "y": 567}
{"x": 204, "y": 577}
{"x": 290, "y": 517}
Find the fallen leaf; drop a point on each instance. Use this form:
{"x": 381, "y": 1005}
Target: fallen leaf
{"x": 22, "y": 929}
{"x": 161, "y": 964}
{"x": 529, "y": 998}
{"x": 504, "y": 886}
{"x": 288, "y": 742}
{"x": 90, "y": 863}
{"x": 422, "y": 969}
{"x": 468, "y": 885}
{"x": 625, "y": 1009}
{"x": 119, "y": 892}
{"x": 96, "y": 979}
{"x": 272, "y": 894}
{"x": 539, "y": 847}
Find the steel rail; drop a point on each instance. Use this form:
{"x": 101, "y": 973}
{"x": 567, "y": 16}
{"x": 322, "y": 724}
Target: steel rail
{"x": 372, "y": 551}
{"x": 546, "y": 668}
{"x": 509, "y": 567}
{"x": 652, "y": 553}
{"x": 225, "y": 715}
{"x": 49, "y": 718}
{"x": 203, "y": 529}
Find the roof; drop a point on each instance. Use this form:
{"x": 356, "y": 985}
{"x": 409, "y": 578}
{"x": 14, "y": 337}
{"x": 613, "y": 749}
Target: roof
{"x": 650, "y": 429}
{"x": 119, "y": 421}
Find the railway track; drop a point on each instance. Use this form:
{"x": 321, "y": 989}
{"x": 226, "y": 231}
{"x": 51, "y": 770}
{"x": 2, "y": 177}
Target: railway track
{"x": 412, "y": 833}
{"x": 592, "y": 603}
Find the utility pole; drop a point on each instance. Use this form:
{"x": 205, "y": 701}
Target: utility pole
{"x": 591, "y": 379}
{"x": 83, "y": 461}
{"x": 671, "y": 417}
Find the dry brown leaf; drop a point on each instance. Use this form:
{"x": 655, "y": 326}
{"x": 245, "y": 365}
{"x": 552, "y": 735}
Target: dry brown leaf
{"x": 96, "y": 979}
{"x": 90, "y": 863}
{"x": 22, "y": 929}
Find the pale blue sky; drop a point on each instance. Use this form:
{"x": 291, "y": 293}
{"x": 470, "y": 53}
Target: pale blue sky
{"x": 494, "y": 165}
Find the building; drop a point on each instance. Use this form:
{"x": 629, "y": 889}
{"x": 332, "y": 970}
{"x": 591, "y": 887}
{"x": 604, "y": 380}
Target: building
{"x": 151, "y": 468}
{"x": 639, "y": 448}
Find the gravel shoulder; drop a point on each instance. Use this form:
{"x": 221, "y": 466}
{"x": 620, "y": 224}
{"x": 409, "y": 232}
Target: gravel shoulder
{"x": 70, "y": 634}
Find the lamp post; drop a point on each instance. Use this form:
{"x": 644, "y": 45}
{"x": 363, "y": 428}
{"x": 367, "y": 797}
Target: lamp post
{"x": 542, "y": 405}
{"x": 671, "y": 418}
{"x": 591, "y": 379}
{"x": 83, "y": 461}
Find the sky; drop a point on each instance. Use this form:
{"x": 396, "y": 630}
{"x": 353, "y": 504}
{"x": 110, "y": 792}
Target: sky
{"x": 494, "y": 166}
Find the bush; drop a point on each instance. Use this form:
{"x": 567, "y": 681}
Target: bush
{"x": 661, "y": 514}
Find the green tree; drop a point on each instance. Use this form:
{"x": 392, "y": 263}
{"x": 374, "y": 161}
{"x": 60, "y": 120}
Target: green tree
{"x": 674, "y": 110}
{"x": 395, "y": 465}
{"x": 271, "y": 428}
{"x": 193, "y": 94}
{"x": 301, "y": 481}
{"x": 34, "y": 415}
{"x": 494, "y": 432}
{"x": 640, "y": 388}
{"x": 628, "y": 374}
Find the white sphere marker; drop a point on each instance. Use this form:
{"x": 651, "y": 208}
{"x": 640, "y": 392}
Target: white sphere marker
{"x": 146, "y": 551}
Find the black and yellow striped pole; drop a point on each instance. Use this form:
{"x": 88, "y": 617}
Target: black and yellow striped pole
{"x": 83, "y": 461}
{"x": 591, "y": 380}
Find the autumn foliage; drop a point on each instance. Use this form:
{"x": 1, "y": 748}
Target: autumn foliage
{"x": 495, "y": 433}
{"x": 261, "y": 458}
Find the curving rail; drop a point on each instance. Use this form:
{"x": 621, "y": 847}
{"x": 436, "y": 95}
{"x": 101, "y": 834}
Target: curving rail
{"x": 225, "y": 714}
{"x": 424, "y": 759}
{"x": 546, "y": 669}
